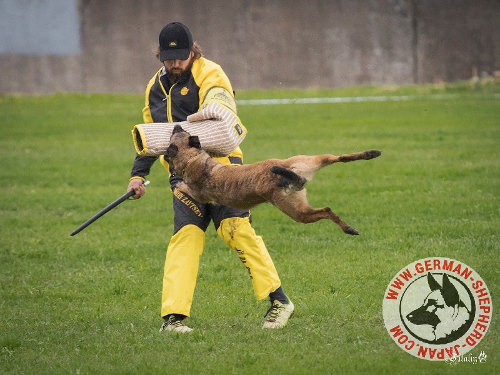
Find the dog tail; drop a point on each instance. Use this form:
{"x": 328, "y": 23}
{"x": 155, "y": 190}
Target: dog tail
{"x": 288, "y": 178}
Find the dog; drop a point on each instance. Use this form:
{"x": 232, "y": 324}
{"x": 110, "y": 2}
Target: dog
{"x": 280, "y": 182}
{"x": 443, "y": 311}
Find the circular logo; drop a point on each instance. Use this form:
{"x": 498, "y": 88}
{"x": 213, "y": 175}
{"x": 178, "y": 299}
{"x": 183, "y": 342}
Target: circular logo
{"x": 437, "y": 308}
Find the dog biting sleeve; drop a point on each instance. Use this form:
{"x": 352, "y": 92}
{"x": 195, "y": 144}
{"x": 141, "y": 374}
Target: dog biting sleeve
{"x": 220, "y": 131}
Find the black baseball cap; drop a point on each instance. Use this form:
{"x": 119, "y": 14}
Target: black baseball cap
{"x": 175, "y": 42}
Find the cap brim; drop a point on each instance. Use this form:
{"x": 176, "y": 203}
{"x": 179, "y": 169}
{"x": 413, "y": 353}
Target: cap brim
{"x": 174, "y": 54}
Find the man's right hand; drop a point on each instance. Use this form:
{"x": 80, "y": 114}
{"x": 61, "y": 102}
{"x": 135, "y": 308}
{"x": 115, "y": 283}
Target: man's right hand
{"x": 137, "y": 185}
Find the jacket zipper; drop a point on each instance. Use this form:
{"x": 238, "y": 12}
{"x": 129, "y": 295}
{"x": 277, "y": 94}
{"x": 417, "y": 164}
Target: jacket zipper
{"x": 169, "y": 104}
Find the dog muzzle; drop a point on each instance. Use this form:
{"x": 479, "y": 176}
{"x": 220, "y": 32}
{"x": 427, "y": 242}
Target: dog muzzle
{"x": 220, "y": 131}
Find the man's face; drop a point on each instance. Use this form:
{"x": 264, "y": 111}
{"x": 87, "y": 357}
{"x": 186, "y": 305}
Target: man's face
{"x": 176, "y": 68}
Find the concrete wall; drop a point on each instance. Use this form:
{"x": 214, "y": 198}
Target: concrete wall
{"x": 272, "y": 43}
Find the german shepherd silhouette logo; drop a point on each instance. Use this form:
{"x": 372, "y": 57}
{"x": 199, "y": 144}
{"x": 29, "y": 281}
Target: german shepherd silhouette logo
{"x": 437, "y": 309}
{"x": 443, "y": 310}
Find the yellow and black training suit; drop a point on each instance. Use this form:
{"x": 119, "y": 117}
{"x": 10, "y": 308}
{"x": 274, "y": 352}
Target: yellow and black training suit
{"x": 166, "y": 101}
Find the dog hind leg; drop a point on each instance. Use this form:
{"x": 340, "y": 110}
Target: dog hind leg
{"x": 295, "y": 205}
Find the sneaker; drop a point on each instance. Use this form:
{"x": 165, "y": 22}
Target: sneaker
{"x": 175, "y": 325}
{"x": 278, "y": 314}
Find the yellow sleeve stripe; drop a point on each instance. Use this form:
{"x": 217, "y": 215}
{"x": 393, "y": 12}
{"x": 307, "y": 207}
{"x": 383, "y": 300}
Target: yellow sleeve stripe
{"x": 133, "y": 178}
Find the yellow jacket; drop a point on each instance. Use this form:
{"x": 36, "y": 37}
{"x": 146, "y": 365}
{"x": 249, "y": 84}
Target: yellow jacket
{"x": 206, "y": 82}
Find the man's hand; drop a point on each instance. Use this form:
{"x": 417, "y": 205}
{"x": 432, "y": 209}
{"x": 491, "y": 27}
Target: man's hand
{"x": 137, "y": 185}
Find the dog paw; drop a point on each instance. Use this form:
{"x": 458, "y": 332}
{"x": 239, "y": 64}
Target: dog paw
{"x": 350, "y": 230}
{"x": 371, "y": 154}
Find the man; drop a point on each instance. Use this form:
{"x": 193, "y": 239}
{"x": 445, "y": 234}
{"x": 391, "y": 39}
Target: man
{"x": 185, "y": 84}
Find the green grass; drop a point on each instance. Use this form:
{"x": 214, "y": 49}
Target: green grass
{"x": 90, "y": 304}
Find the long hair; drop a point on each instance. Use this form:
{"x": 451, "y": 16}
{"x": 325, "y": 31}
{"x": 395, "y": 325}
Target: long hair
{"x": 196, "y": 49}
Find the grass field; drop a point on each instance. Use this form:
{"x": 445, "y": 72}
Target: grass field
{"x": 89, "y": 304}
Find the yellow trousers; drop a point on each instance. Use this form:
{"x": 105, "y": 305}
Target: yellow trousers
{"x": 183, "y": 259}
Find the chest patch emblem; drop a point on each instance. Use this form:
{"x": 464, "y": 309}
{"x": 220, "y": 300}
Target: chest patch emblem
{"x": 184, "y": 90}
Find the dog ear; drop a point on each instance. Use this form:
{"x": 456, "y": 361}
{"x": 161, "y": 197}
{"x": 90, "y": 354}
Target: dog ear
{"x": 172, "y": 151}
{"x": 177, "y": 129}
{"x": 450, "y": 293}
{"x": 194, "y": 141}
{"x": 433, "y": 284}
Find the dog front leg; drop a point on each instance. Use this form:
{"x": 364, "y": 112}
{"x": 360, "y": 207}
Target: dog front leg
{"x": 183, "y": 187}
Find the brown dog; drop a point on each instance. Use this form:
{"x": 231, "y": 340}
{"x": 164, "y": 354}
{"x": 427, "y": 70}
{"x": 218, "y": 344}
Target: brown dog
{"x": 280, "y": 182}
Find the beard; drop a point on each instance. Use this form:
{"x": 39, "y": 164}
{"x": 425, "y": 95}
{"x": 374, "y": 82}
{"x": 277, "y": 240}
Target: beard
{"x": 178, "y": 75}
